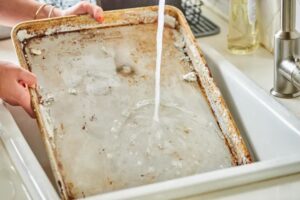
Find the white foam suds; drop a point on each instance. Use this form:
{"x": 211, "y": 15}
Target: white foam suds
{"x": 190, "y": 77}
{"x": 23, "y": 35}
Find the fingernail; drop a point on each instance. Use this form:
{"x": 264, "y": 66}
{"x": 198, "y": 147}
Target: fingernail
{"x": 100, "y": 18}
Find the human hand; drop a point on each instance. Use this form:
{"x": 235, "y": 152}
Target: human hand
{"x": 14, "y": 83}
{"x": 84, "y": 7}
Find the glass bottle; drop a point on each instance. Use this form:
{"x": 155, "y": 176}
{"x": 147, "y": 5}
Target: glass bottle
{"x": 243, "y": 28}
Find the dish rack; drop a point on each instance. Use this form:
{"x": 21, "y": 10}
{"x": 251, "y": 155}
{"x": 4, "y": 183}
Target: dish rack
{"x": 200, "y": 25}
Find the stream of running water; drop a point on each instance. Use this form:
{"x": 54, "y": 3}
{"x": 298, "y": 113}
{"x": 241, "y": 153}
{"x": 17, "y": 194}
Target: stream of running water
{"x": 159, "y": 45}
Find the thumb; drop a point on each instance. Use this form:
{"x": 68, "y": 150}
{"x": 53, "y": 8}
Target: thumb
{"x": 28, "y": 78}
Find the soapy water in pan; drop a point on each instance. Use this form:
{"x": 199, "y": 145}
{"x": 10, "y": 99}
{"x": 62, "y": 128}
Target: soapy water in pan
{"x": 155, "y": 151}
{"x": 175, "y": 132}
{"x": 174, "y": 120}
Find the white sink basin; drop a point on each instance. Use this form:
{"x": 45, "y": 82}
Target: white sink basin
{"x": 271, "y": 131}
{"x": 21, "y": 176}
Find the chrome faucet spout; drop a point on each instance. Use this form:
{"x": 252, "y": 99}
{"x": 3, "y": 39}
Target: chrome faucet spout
{"x": 286, "y": 51}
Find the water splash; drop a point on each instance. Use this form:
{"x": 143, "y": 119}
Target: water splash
{"x": 159, "y": 43}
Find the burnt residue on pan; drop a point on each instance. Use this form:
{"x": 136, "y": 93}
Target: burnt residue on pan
{"x": 96, "y": 101}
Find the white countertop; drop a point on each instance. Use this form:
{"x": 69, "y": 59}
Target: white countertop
{"x": 258, "y": 67}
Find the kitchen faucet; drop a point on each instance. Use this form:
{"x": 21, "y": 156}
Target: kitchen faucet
{"x": 287, "y": 54}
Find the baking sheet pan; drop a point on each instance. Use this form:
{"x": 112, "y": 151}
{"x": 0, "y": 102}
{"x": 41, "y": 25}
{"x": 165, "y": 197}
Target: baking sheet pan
{"x": 94, "y": 103}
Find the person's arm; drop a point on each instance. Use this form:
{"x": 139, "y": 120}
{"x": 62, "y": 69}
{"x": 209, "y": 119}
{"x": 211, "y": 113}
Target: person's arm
{"x": 15, "y": 11}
